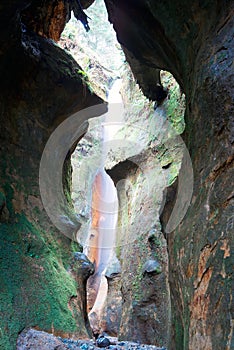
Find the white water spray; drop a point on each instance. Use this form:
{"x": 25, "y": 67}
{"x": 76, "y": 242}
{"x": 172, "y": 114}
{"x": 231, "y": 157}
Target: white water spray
{"x": 102, "y": 238}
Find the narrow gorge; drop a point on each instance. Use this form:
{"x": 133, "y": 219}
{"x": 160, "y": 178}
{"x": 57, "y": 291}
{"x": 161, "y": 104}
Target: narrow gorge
{"x": 116, "y": 174}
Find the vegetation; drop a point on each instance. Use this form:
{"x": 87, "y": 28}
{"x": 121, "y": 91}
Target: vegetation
{"x": 29, "y": 257}
{"x": 175, "y": 103}
{"x": 96, "y": 51}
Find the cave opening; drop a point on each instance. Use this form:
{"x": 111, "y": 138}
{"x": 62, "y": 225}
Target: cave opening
{"x": 143, "y": 157}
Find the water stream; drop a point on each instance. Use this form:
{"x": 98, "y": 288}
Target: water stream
{"x": 101, "y": 241}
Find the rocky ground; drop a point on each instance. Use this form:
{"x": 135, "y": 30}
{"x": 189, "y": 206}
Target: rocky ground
{"x": 37, "y": 340}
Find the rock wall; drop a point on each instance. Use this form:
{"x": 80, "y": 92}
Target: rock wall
{"x": 48, "y": 19}
{"x": 148, "y": 157}
{"x": 193, "y": 41}
{"x": 40, "y": 87}
{"x": 142, "y": 251}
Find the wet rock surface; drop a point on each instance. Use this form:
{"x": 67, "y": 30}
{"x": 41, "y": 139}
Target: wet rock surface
{"x": 38, "y": 340}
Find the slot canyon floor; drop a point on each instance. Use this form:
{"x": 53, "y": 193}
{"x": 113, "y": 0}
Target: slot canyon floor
{"x": 36, "y": 340}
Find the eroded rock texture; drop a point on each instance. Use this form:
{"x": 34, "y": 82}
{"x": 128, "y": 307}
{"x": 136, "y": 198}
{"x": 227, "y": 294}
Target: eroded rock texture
{"x": 39, "y": 88}
{"x": 142, "y": 251}
{"x": 48, "y": 19}
{"x": 193, "y": 40}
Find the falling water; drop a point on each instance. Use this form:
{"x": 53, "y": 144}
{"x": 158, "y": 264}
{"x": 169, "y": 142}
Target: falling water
{"x": 101, "y": 240}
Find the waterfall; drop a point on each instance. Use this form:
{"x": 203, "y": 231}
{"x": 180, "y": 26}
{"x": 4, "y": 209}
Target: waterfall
{"x": 102, "y": 237}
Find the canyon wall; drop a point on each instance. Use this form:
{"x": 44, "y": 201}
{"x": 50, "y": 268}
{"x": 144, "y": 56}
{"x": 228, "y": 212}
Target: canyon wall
{"x": 40, "y": 87}
{"x": 193, "y": 41}
{"x": 41, "y": 283}
{"x": 142, "y": 252}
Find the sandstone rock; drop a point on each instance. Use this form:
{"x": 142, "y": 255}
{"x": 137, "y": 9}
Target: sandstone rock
{"x": 145, "y": 295}
{"x": 111, "y": 316}
{"x": 199, "y": 54}
{"x": 39, "y": 87}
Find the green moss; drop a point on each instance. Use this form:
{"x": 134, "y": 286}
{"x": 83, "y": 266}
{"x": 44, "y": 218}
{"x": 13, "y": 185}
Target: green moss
{"x": 142, "y": 251}
{"x": 137, "y": 290}
{"x": 83, "y": 74}
{"x": 35, "y": 287}
{"x": 175, "y": 104}
{"x": 155, "y": 242}
{"x": 173, "y": 174}
{"x": 67, "y": 180}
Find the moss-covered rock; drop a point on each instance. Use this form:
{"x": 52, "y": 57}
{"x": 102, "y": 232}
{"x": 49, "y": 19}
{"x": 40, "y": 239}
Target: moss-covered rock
{"x": 40, "y": 87}
{"x": 33, "y": 287}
